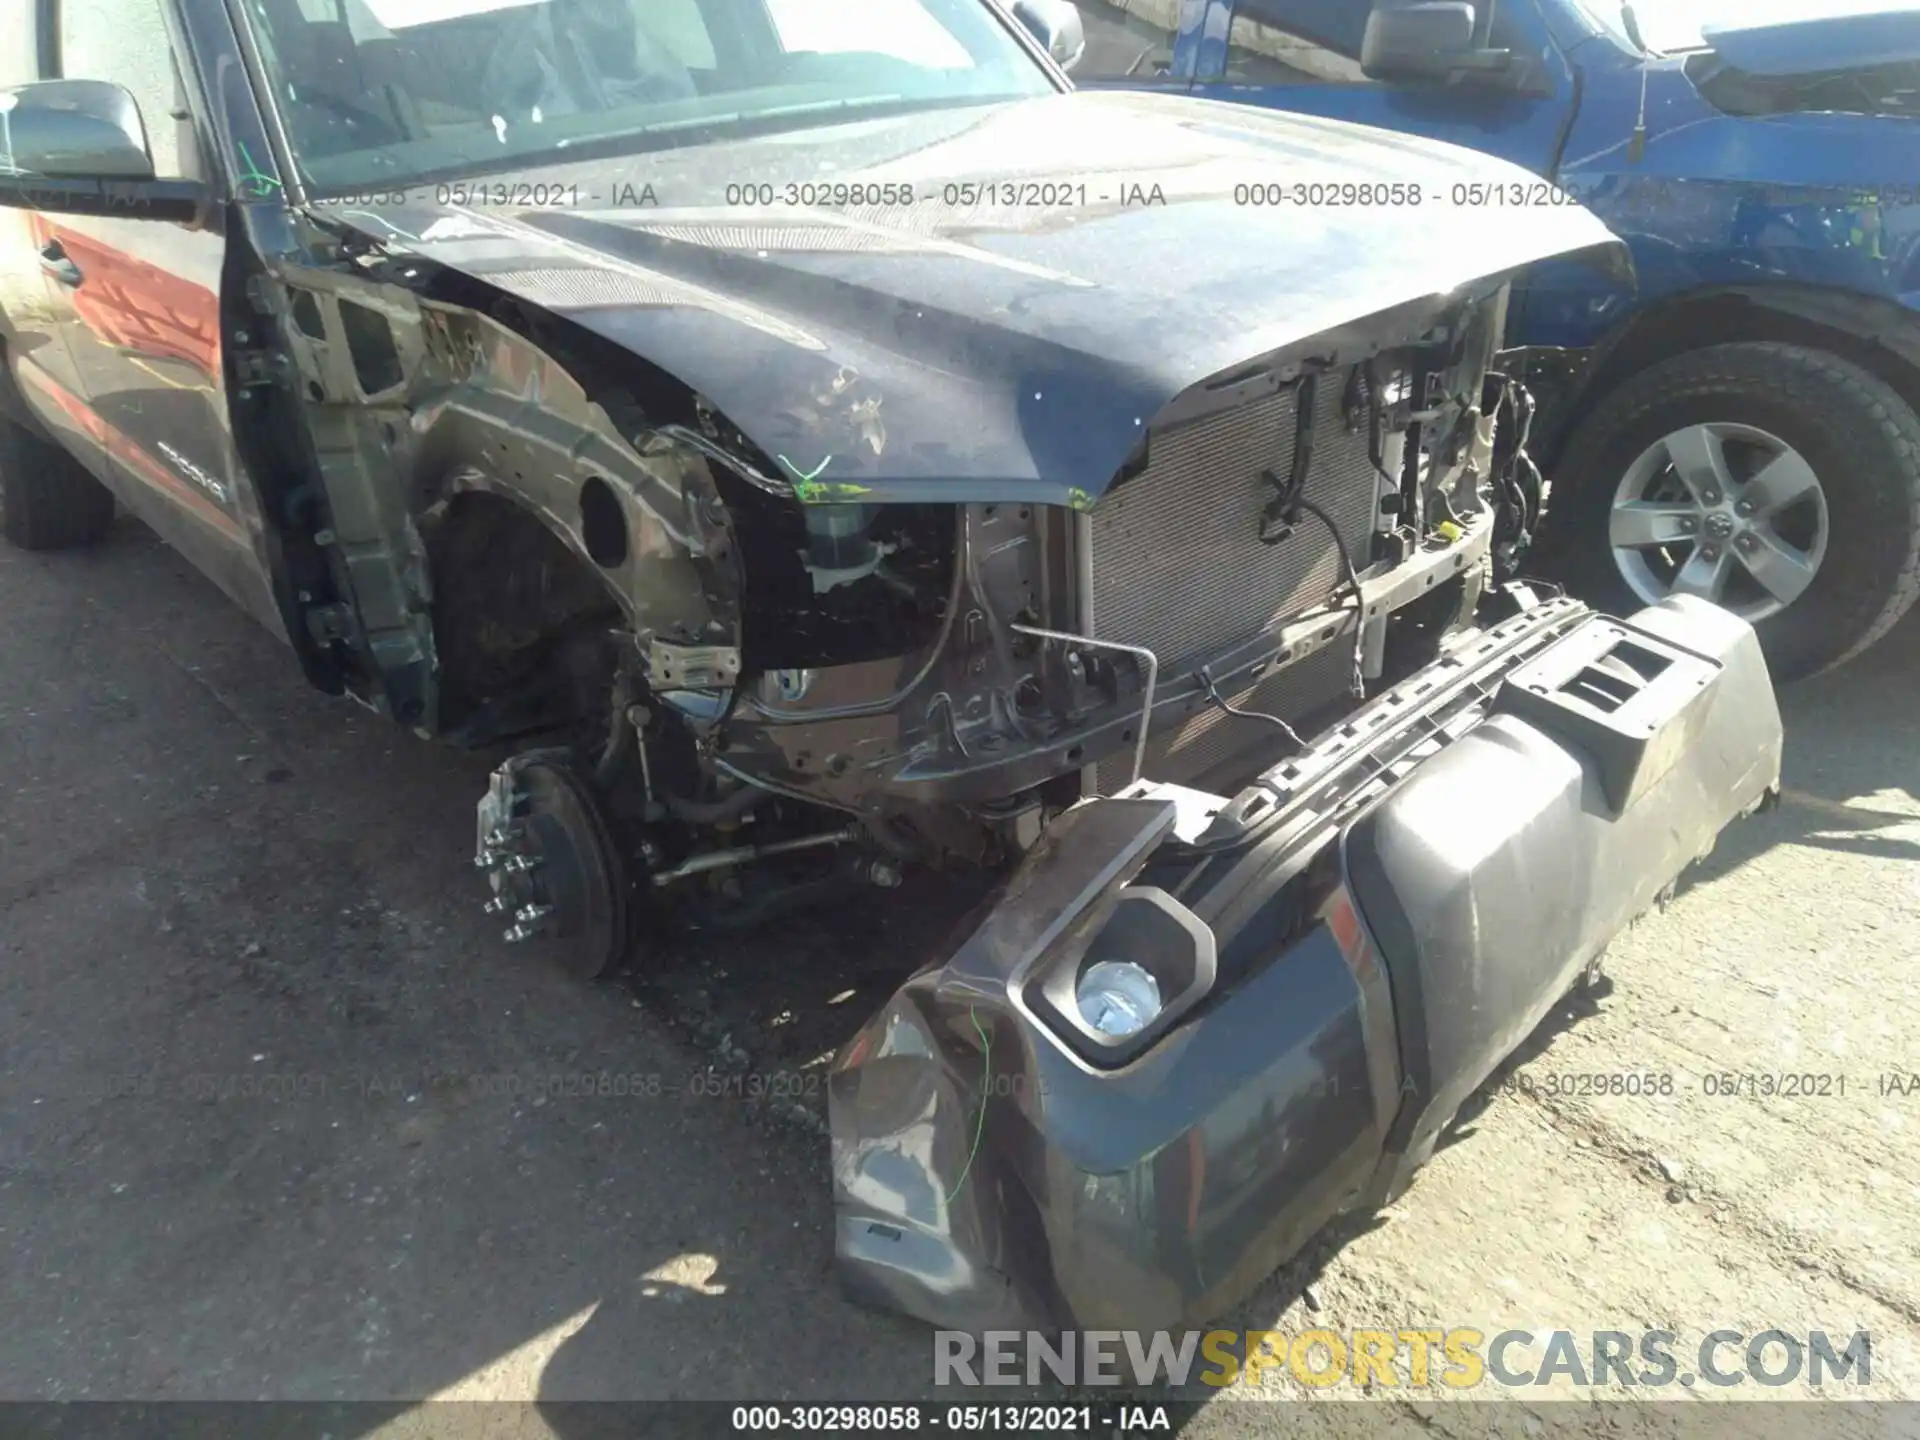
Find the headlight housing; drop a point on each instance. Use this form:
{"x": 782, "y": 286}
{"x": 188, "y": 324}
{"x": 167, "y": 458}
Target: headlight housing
{"x": 1112, "y": 990}
{"x": 1116, "y": 966}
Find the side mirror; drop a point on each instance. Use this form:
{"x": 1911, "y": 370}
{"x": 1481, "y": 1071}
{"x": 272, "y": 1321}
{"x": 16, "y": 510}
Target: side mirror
{"x": 1056, "y": 24}
{"x": 73, "y": 128}
{"x": 80, "y": 147}
{"x": 1426, "y": 40}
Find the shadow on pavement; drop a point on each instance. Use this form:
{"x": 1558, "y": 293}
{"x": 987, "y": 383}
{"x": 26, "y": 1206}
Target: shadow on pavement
{"x": 279, "y": 1116}
{"x": 1852, "y": 765}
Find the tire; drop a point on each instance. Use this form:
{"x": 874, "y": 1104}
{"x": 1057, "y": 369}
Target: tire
{"x": 1856, "y": 531}
{"x": 48, "y": 500}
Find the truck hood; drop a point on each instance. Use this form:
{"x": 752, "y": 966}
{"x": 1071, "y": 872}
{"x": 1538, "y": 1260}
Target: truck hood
{"x": 1012, "y": 344}
{"x": 1804, "y": 37}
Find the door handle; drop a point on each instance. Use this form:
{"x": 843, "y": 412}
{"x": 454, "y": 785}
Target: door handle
{"x": 54, "y": 262}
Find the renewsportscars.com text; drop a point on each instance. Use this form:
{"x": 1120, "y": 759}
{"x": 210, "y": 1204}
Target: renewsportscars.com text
{"x": 1422, "y": 1357}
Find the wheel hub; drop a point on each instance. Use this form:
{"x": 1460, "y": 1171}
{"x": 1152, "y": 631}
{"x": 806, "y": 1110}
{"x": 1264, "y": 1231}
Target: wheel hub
{"x": 550, "y": 863}
{"x": 1726, "y": 512}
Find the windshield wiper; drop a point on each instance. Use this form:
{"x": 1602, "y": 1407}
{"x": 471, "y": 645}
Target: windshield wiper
{"x": 614, "y": 142}
{"x": 822, "y": 107}
{"x": 737, "y": 117}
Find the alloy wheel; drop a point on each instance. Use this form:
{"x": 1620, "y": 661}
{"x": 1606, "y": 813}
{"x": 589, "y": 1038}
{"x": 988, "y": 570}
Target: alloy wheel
{"x": 1729, "y": 513}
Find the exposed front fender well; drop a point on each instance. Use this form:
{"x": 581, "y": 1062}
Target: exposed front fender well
{"x": 493, "y": 412}
{"x": 414, "y": 404}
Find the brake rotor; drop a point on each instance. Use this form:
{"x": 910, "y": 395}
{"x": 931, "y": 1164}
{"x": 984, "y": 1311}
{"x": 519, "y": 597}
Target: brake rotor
{"x": 552, "y": 865}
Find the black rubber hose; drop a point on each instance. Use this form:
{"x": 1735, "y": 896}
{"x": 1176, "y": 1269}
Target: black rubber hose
{"x": 715, "y": 812}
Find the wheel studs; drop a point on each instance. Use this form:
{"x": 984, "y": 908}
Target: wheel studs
{"x": 527, "y": 923}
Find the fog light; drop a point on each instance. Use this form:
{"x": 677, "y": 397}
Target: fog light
{"x": 1118, "y": 998}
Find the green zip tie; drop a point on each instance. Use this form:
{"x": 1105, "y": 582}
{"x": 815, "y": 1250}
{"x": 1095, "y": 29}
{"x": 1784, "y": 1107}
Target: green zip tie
{"x": 255, "y": 177}
{"x": 986, "y": 1080}
{"x": 803, "y": 476}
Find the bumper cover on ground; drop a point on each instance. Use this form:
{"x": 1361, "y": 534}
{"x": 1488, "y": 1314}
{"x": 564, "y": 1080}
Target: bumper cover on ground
{"x": 1347, "y": 950}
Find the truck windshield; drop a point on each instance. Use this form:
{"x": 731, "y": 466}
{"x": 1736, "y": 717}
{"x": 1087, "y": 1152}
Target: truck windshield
{"x": 380, "y": 93}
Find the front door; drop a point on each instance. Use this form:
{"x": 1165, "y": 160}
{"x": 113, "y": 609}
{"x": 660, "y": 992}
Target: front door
{"x": 147, "y": 344}
{"x": 36, "y": 304}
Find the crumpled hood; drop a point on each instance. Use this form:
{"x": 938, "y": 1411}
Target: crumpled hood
{"x": 1006, "y": 345}
{"x": 1803, "y": 37}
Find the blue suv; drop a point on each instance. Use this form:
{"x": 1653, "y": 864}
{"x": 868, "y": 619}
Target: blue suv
{"x": 1741, "y": 426}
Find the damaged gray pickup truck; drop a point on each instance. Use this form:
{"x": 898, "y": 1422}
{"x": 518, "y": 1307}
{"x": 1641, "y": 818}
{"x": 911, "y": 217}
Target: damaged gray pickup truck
{"x": 802, "y": 441}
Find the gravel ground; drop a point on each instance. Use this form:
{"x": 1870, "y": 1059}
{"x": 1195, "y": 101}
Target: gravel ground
{"x": 268, "y": 1125}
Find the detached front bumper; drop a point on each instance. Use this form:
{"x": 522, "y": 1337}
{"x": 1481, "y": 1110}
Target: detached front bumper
{"x": 1346, "y": 950}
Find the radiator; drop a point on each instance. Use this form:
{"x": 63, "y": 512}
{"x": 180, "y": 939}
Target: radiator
{"x": 1179, "y": 567}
